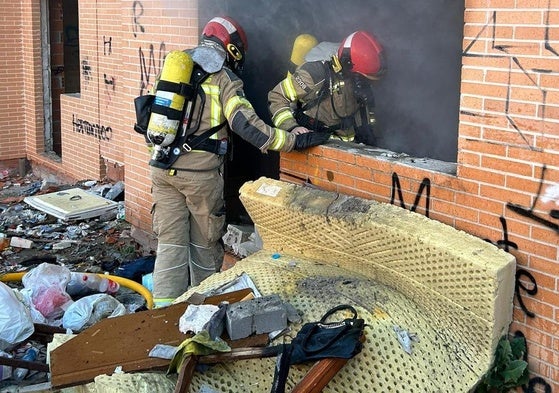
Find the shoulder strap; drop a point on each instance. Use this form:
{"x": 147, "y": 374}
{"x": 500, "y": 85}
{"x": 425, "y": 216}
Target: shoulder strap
{"x": 192, "y": 144}
{"x": 323, "y": 89}
{"x": 198, "y": 77}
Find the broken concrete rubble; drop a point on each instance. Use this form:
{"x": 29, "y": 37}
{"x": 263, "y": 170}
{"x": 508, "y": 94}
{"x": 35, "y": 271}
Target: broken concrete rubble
{"x": 86, "y": 355}
{"x": 242, "y": 240}
{"x": 96, "y": 244}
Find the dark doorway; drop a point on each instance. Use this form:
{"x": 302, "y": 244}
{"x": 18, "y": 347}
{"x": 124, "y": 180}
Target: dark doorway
{"x": 64, "y": 65}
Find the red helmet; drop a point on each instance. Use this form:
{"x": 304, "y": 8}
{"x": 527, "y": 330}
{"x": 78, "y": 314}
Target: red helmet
{"x": 361, "y": 52}
{"x": 231, "y": 36}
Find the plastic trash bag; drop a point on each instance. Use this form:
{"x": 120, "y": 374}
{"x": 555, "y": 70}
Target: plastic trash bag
{"x": 16, "y": 324}
{"x": 89, "y": 310}
{"x": 48, "y": 285}
{"x": 25, "y": 296}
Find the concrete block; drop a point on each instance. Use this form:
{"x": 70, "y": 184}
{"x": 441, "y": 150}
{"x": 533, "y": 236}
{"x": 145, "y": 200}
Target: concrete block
{"x": 238, "y": 321}
{"x": 270, "y": 314}
{"x": 260, "y": 315}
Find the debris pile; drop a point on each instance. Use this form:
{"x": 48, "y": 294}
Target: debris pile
{"x": 227, "y": 322}
{"x": 30, "y": 236}
{"x": 51, "y": 267}
{"x": 241, "y": 240}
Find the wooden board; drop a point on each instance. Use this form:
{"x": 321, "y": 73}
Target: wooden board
{"x": 123, "y": 341}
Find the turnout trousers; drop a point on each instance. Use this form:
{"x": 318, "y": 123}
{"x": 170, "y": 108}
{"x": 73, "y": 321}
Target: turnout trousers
{"x": 189, "y": 221}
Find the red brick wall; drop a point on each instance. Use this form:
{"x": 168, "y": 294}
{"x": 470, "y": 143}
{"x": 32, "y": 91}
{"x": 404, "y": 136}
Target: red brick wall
{"x": 11, "y": 82}
{"x": 151, "y": 29}
{"x": 508, "y": 132}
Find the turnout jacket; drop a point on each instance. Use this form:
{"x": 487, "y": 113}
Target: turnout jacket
{"x": 319, "y": 93}
{"x": 225, "y": 103}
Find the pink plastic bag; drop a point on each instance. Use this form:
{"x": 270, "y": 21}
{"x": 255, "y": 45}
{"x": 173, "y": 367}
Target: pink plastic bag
{"x": 51, "y": 302}
{"x": 48, "y": 285}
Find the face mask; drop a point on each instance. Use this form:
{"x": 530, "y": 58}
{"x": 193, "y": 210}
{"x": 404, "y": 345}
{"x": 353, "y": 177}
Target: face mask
{"x": 363, "y": 90}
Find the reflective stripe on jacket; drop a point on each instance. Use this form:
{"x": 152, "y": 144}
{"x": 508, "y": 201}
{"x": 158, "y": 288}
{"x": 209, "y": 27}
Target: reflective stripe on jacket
{"x": 225, "y": 101}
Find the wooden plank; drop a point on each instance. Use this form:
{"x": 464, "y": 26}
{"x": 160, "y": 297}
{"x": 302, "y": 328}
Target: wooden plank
{"x": 319, "y": 375}
{"x": 123, "y": 341}
{"x": 185, "y": 374}
{"x": 19, "y": 363}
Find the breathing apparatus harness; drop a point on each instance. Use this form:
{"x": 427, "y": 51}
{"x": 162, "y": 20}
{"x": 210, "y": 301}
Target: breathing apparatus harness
{"x": 184, "y": 141}
{"x": 202, "y": 141}
{"x": 334, "y": 79}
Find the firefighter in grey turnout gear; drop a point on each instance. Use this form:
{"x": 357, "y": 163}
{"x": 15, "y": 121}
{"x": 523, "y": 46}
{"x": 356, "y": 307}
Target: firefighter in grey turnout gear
{"x": 189, "y": 210}
{"x": 332, "y": 94}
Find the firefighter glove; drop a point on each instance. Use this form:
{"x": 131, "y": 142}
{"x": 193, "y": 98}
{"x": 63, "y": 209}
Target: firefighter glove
{"x": 315, "y": 138}
{"x": 365, "y": 134}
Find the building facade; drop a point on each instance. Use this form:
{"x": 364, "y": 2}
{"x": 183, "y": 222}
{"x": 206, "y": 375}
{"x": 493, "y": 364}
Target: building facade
{"x": 70, "y": 70}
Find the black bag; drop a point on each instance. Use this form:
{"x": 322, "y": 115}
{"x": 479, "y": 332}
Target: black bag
{"x": 320, "y": 340}
{"x": 142, "y": 106}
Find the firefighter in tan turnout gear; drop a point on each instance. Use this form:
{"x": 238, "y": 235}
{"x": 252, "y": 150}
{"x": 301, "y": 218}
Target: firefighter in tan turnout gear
{"x": 333, "y": 94}
{"x": 187, "y": 181}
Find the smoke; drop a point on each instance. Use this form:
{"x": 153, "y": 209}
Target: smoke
{"x": 418, "y": 97}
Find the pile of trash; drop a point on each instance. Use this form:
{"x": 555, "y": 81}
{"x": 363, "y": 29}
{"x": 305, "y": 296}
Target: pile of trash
{"x": 55, "y": 296}
{"x": 55, "y": 274}
{"x": 61, "y": 275}
{"x": 29, "y": 236}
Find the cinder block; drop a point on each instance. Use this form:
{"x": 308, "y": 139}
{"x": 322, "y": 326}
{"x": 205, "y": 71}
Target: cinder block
{"x": 261, "y": 315}
{"x": 270, "y": 314}
{"x": 238, "y": 321}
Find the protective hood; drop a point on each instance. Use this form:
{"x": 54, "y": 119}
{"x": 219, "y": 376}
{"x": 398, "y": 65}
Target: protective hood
{"x": 323, "y": 51}
{"x": 210, "y": 58}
